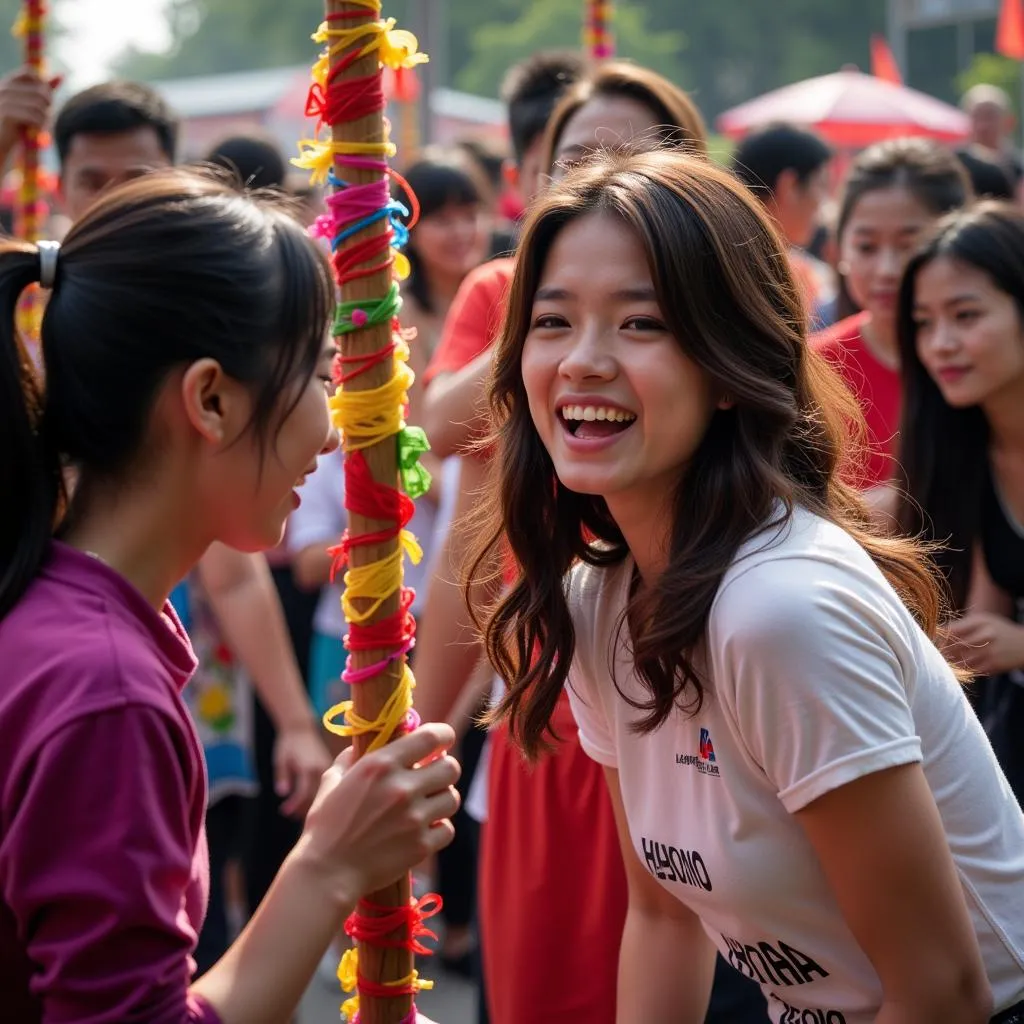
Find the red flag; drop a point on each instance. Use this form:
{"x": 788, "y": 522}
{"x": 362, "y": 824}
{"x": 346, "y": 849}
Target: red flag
{"x": 883, "y": 62}
{"x": 1010, "y": 30}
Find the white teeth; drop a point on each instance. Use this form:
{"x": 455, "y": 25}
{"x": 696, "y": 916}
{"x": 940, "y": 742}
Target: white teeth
{"x": 596, "y": 412}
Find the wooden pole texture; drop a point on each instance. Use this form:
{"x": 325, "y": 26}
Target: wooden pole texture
{"x": 28, "y": 209}
{"x": 376, "y": 963}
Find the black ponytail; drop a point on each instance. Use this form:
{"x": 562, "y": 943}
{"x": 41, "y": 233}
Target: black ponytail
{"x": 30, "y": 478}
{"x": 170, "y": 268}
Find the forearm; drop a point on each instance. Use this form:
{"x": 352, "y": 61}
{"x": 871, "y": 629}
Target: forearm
{"x": 262, "y": 977}
{"x": 448, "y": 647}
{"x": 249, "y": 614}
{"x": 454, "y": 408}
{"x": 664, "y": 975}
{"x": 965, "y": 1007}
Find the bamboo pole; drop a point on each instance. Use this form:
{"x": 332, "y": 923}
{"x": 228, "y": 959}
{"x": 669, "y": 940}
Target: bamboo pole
{"x": 28, "y": 207}
{"x": 598, "y": 41}
{"x": 381, "y": 965}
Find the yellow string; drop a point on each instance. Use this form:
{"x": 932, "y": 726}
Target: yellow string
{"x": 374, "y": 582}
{"x": 317, "y": 155}
{"x": 366, "y": 418}
{"x": 348, "y": 976}
{"x": 391, "y": 716}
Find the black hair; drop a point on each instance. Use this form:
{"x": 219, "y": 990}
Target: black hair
{"x": 764, "y": 154}
{"x": 255, "y": 158}
{"x": 167, "y": 269}
{"x": 944, "y": 450}
{"x": 439, "y": 177}
{"x": 489, "y": 157}
{"x": 531, "y": 91}
{"x": 988, "y": 178}
{"x": 114, "y": 107}
{"x": 928, "y": 171}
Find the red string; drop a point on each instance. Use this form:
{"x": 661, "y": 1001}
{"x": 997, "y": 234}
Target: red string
{"x": 348, "y": 101}
{"x": 345, "y": 261}
{"x": 375, "y": 991}
{"x": 387, "y": 920}
{"x": 366, "y": 497}
{"x": 393, "y": 631}
{"x": 365, "y": 363}
{"x": 414, "y": 203}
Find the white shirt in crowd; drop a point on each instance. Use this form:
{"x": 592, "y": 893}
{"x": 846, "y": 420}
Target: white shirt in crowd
{"x": 816, "y": 676}
{"x": 321, "y": 519}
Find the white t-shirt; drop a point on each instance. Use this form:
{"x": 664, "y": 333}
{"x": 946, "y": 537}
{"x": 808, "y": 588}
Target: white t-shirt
{"x": 321, "y": 519}
{"x": 816, "y": 675}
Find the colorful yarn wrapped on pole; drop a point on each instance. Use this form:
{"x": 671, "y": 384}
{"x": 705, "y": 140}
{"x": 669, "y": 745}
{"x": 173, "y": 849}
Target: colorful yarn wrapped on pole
{"x": 29, "y": 209}
{"x": 366, "y": 229}
{"x": 598, "y": 40}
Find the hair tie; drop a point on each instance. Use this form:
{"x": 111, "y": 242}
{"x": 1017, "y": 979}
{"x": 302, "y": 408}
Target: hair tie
{"x": 48, "y": 263}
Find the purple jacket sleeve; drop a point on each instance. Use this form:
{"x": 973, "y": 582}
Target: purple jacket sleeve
{"x": 101, "y": 867}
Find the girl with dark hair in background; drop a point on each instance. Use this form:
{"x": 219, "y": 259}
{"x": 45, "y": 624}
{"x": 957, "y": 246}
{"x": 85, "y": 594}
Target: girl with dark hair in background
{"x": 961, "y": 327}
{"x": 185, "y": 371}
{"x": 895, "y": 191}
{"x": 449, "y": 240}
{"x": 797, "y": 776}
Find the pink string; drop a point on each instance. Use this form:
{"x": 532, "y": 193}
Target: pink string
{"x": 360, "y": 675}
{"x": 366, "y": 163}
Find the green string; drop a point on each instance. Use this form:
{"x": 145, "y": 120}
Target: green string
{"x": 377, "y": 311}
{"x": 412, "y": 443}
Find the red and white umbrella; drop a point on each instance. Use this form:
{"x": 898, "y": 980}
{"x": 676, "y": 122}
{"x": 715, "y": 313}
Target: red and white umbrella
{"x": 850, "y": 110}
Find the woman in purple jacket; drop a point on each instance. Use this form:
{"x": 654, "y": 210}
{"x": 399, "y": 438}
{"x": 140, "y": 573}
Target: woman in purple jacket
{"x": 185, "y": 371}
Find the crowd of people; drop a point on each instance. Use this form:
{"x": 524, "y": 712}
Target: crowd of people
{"x": 722, "y": 602}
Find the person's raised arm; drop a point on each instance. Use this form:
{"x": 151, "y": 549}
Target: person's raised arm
{"x": 369, "y": 823}
{"x": 25, "y": 102}
{"x": 455, "y": 407}
{"x": 448, "y": 646}
{"x": 245, "y": 602}
{"x": 666, "y": 961}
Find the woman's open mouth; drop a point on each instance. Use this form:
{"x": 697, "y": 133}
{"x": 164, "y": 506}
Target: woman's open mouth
{"x": 595, "y": 422}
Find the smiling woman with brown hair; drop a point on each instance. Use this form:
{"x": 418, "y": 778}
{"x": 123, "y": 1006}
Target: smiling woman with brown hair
{"x": 797, "y": 776}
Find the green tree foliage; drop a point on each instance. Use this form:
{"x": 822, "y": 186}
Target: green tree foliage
{"x": 993, "y": 69}
{"x": 557, "y": 23}
{"x": 230, "y": 35}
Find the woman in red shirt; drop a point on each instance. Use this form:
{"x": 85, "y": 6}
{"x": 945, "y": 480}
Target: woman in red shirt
{"x": 895, "y": 192}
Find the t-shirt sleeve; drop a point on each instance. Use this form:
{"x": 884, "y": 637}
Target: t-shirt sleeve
{"x": 473, "y": 321}
{"x": 813, "y": 668}
{"x": 95, "y": 865}
{"x": 320, "y": 518}
{"x": 584, "y": 683}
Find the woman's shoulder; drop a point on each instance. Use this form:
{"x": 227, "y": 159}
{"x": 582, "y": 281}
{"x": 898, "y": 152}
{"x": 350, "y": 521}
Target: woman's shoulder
{"x": 795, "y": 574}
{"x": 597, "y": 596}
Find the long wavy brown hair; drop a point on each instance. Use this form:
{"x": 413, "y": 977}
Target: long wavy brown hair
{"x": 726, "y": 292}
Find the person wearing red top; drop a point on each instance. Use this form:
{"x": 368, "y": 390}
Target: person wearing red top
{"x": 895, "y": 192}
{"x": 877, "y": 387}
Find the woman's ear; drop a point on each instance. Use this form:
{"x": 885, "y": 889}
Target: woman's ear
{"x": 210, "y": 401}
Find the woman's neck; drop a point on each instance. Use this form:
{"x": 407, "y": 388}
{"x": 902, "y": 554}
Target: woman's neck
{"x": 881, "y": 341}
{"x": 136, "y": 531}
{"x": 646, "y": 526}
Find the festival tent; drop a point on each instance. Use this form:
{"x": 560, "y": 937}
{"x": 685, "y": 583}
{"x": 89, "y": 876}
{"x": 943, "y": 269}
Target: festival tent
{"x": 850, "y": 110}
